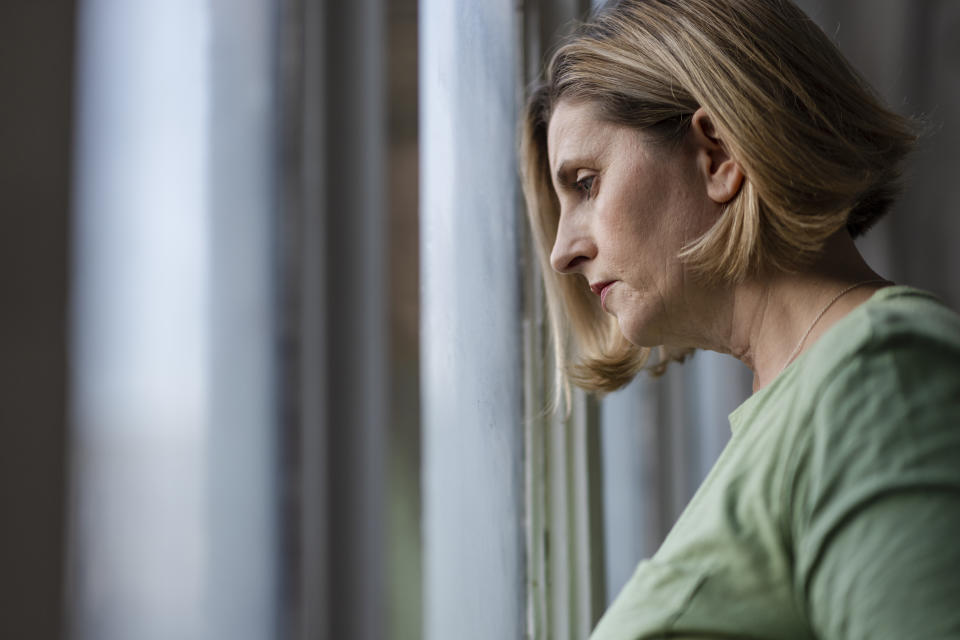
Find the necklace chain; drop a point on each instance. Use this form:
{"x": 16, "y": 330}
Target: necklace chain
{"x": 806, "y": 334}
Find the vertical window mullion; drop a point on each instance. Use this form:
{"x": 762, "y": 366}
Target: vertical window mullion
{"x": 564, "y": 489}
{"x": 471, "y": 348}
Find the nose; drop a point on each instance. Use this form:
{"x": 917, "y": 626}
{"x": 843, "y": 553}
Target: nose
{"x": 573, "y": 246}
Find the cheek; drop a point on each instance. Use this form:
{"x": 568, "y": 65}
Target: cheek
{"x": 630, "y": 223}
{"x": 667, "y": 224}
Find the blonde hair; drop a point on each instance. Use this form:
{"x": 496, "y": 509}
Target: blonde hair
{"x": 818, "y": 149}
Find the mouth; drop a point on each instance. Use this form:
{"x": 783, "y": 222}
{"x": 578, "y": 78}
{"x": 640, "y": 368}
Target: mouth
{"x": 602, "y": 289}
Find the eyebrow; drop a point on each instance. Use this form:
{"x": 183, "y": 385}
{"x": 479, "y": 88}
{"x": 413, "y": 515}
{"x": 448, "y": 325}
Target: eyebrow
{"x": 563, "y": 176}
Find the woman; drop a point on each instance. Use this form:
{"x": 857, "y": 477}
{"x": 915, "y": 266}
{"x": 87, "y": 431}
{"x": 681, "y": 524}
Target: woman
{"x": 695, "y": 172}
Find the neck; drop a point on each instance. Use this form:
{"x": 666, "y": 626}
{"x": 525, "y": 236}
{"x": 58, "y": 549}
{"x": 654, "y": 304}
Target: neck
{"x": 769, "y": 315}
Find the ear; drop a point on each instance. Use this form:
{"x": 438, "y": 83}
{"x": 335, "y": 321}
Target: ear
{"x": 721, "y": 172}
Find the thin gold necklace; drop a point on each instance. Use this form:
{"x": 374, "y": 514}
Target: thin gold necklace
{"x": 806, "y": 334}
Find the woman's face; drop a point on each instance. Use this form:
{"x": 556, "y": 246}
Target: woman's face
{"x": 628, "y": 205}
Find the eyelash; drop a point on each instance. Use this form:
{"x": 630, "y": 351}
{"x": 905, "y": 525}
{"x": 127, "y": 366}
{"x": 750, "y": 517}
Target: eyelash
{"x": 585, "y": 185}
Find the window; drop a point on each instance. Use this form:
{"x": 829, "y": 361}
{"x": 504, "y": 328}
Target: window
{"x": 276, "y": 356}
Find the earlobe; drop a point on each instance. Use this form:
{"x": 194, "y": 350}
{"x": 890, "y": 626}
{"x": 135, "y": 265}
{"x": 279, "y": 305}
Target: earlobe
{"x": 720, "y": 170}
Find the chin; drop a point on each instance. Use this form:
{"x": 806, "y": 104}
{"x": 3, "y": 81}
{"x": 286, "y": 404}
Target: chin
{"x": 642, "y": 334}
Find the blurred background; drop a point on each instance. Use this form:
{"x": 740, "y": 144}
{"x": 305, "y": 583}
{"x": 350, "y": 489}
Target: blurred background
{"x": 273, "y": 357}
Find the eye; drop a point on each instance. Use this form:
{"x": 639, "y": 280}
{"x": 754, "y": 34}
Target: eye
{"x": 585, "y": 185}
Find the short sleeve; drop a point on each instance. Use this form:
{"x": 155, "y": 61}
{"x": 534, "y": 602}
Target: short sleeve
{"x": 876, "y": 521}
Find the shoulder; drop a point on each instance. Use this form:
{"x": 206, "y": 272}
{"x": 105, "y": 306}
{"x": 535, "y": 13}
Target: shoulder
{"x": 888, "y": 372}
{"x": 899, "y": 325}
{"x": 878, "y": 477}
{"x": 892, "y": 362}
{"x": 884, "y": 412}
{"x": 885, "y": 380}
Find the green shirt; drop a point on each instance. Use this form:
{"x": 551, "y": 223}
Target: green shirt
{"x": 834, "y": 511}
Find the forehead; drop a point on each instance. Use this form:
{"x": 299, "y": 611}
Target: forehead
{"x": 576, "y": 131}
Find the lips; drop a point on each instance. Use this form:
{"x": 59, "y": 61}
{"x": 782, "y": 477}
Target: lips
{"x": 602, "y": 289}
